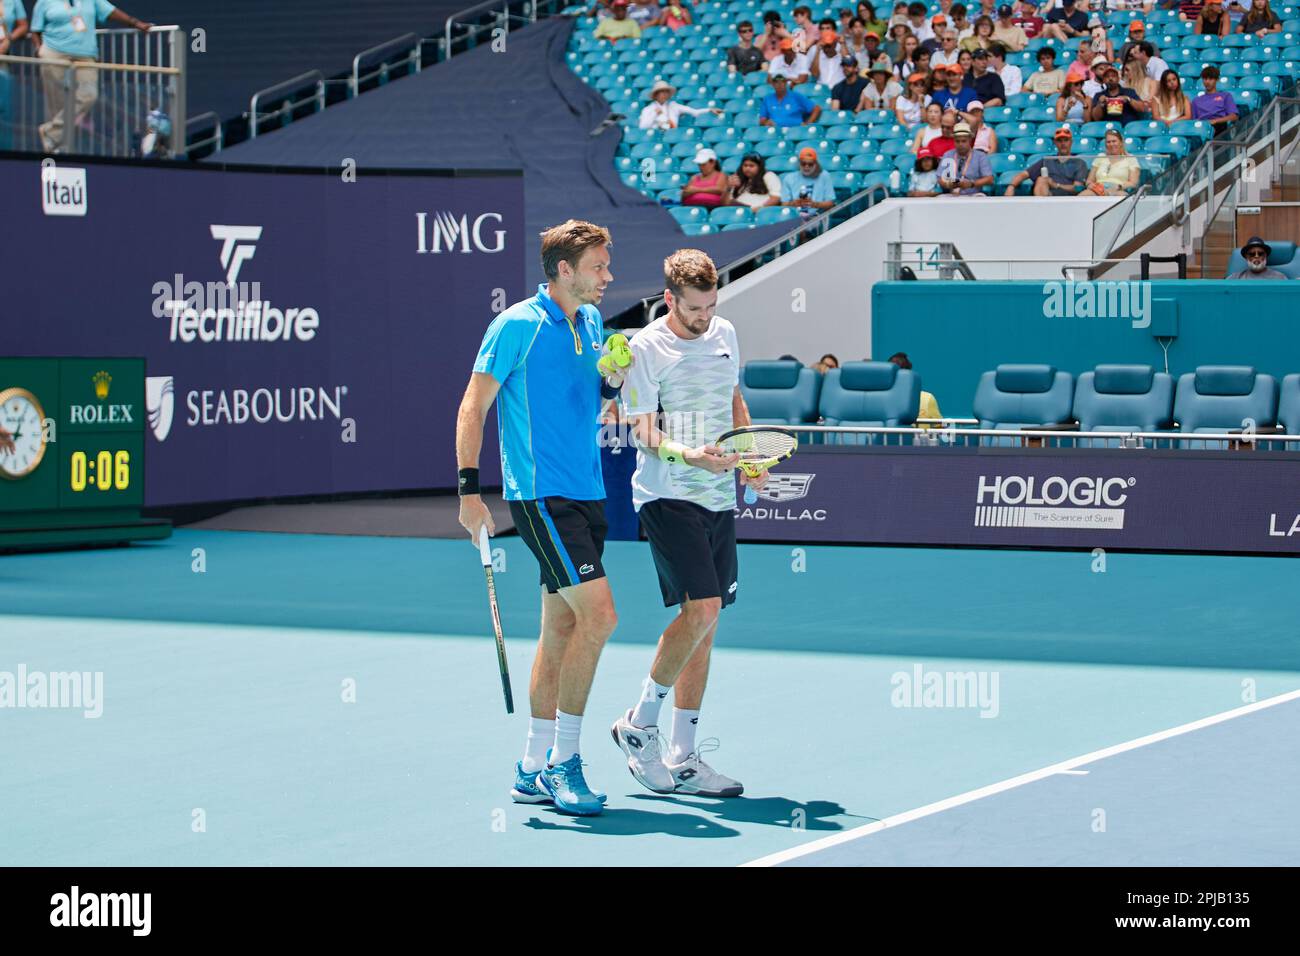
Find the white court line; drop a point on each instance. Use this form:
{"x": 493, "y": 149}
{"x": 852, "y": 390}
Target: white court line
{"x": 1066, "y": 766}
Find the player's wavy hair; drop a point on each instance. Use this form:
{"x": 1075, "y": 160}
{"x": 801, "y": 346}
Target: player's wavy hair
{"x": 567, "y": 242}
{"x": 689, "y": 269}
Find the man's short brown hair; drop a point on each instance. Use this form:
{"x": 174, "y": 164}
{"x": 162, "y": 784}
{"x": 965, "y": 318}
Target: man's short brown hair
{"x": 567, "y": 242}
{"x": 689, "y": 268}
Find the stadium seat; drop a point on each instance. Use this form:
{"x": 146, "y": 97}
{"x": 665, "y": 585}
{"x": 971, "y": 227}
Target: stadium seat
{"x": 1124, "y": 398}
{"x": 767, "y": 215}
{"x": 1288, "y": 407}
{"x": 685, "y": 214}
{"x": 781, "y": 392}
{"x": 1282, "y": 257}
{"x": 784, "y": 163}
{"x": 698, "y": 229}
{"x": 1023, "y": 396}
{"x": 869, "y": 162}
{"x": 1198, "y": 130}
{"x": 731, "y": 215}
{"x": 1224, "y": 398}
{"x": 1174, "y": 146}
{"x": 869, "y": 394}
{"x": 846, "y": 180}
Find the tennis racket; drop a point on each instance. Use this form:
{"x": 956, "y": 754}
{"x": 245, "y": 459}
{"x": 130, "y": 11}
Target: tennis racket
{"x": 759, "y": 447}
{"x": 486, "y": 554}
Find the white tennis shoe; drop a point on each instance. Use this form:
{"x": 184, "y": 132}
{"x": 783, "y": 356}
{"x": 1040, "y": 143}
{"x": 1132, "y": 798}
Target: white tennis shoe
{"x": 695, "y": 777}
{"x": 644, "y": 756}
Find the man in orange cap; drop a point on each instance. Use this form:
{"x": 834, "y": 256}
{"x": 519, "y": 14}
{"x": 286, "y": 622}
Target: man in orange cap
{"x": 824, "y": 61}
{"x": 788, "y": 64}
{"x": 810, "y": 188}
{"x": 1061, "y": 175}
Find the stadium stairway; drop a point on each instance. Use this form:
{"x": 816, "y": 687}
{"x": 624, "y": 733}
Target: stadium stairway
{"x": 521, "y": 108}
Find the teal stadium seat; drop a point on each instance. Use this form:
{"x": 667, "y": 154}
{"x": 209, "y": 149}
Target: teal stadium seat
{"x": 1288, "y": 406}
{"x": 698, "y": 229}
{"x": 1282, "y": 257}
{"x": 731, "y": 215}
{"x": 1222, "y": 398}
{"x": 1023, "y": 396}
{"x": 685, "y": 214}
{"x": 780, "y": 392}
{"x": 768, "y": 215}
{"x": 1124, "y": 398}
{"x": 869, "y": 394}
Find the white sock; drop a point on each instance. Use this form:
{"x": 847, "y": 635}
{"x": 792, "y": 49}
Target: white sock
{"x": 541, "y": 734}
{"x": 646, "y": 713}
{"x": 568, "y": 728}
{"x": 683, "y": 743}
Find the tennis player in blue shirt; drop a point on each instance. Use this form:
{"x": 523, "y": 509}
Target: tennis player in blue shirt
{"x": 540, "y": 362}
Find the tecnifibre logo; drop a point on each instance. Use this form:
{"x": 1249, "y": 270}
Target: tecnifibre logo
{"x": 444, "y": 232}
{"x": 234, "y": 255}
{"x": 1025, "y": 501}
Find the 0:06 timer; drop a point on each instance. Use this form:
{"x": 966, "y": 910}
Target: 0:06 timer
{"x": 107, "y": 471}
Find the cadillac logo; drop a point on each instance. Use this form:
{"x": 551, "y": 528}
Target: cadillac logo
{"x": 785, "y": 487}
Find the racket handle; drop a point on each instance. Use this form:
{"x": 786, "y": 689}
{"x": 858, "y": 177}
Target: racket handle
{"x": 484, "y": 551}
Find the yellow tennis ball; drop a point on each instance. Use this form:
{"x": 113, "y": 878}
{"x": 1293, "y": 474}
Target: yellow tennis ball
{"x": 619, "y": 349}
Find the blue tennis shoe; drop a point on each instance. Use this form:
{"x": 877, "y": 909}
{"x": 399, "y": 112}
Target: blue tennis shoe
{"x": 568, "y": 789}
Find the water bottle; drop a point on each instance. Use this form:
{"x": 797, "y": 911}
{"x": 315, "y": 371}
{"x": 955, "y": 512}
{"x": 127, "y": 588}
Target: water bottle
{"x": 895, "y": 181}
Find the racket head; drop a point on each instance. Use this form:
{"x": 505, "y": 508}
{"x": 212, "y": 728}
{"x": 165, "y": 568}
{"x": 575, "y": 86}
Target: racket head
{"x": 759, "y": 446}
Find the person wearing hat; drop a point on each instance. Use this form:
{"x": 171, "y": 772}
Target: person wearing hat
{"x": 825, "y": 62}
{"x": 1049, "y": 79}
{"x": 1074, "y": 104}
{"x": 1007, "y": 32}
{"x": 618, "y": 25}
{"x": 1214, "y": 105}
{"x": 923, "y": 181}
{"x": 938, "y": 27}
{"x": 789, "y": 64}
{"x": 982, "y": 136}
{"x": 964, "y": 170}
{"x": 708, "y": 187}
{"x": 1065, "y": 22}
{"x": 809, "y": 187}
{"x": 664, "y": 112}
{"x": 947, "y": 50}
{"x": 1116, "y": 102}
{"x": 883, "y": 91}
{"x": 786, "y": 107}
{"x": 909, "y": 107}
{"x": 1260, "y": 20}
{"x": 955, "y": 94}
{"x": 848, "y": 91}
{"x": 1256, "y": 252}
{"x": 1061, "y": 175}
{"x": 745, "y": 57}
{"x": 1137, "y": 33}
{"x": 984, "y": 81}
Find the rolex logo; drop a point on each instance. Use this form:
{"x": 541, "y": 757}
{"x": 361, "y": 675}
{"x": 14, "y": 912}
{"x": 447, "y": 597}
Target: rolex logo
{"x": 102, "y": 382}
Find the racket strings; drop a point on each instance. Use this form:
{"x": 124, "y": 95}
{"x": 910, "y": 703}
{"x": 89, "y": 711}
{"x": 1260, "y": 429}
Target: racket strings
{"x": 760, "y": 446}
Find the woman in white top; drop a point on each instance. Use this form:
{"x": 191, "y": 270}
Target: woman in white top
{"x": 882, "y": 91}
{"x": 1170, "y": 103}
{"x": 932, "y": 129}
{"x": 909, "y": 106}
{"x": 1136, "y": 79}
{"x": 663, "y": 112}
{"x": 753, "y": 186}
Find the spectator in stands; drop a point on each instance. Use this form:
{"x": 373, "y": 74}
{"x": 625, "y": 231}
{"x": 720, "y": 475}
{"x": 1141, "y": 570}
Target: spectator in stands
{"x": 1049, "y": 78}
{"x": 883, "y": 91}
{"x": 895, "y": 47}
{"x": 1256, "y": 252}
{"x": 947, "y": 52}
{"x": 1065, "y": 22}
{"x": 1116, "y": 173}
{"x": 61, "y": 31}
{"x": 944, "y": 142}
{"x": 982, "y": 136}
{"x": 964, "y": 59}
{"x": 981, "y": 35}
{"x": 644, "y": 12}
{"x": 1214, "y": 105}
{"x": 1026, "y": 17}
{"x": 1007, "y": 32}
{"x": 1137, "y": 33}
{"x": 872, "y": 50}
{"x": 960, "y": 23}
{"x": 1092, "y": 82}
{"x": 1117, "y": 102}
{"x": 805, "y": 31}
{"x": 774, "y": 32}
{"x": 911, "y": 105}
{"x": 938, "y": 77}
{"x": 744, "y": 57}
{"x": 931, "y": 130}
{"x": 916, "y": 20}
{"x": 674, "y": 17}
{"x": 1190, "y": 10}
{"x": 708, "y": 187}
{"x": 955, "y": 94}
{"x": 1135, "y": 78}
{"x": 789, "y": 64}
{"x": 825, "y": 60}
{"x": 984, "y": 82}
{"x": 1073, "y": 105}
{"x": 826, "y": 363}
{"x": 1101, "y": 44}
{"x": 753, "y": 185}
{"x": 13, "y": 27}
{"x": 873, "y": 21}
{"x": 1170, "y": 103}
{"x": 846, "y": 22}
{"x": 923, "y": 180}
{"x": 905, "y": 63}
{"x": 1260, "y": 19}
{"x": 1213, "y": 21}
{"x": 964, "y": 170}
{"x": 938, "y": 25}
{"x": 1061, "y": 175}
{"x": 1008, "y": 73}
{"x": 1152, "y": 64}
{"x": 618, "y": 25}
{"x": 809, "y": 187}
{"x": 929, "y": 408}
{"x": 664, "y": 112}
{"x": 855, "y": 43}
{"x": 847, "y": 93}
{"x": 786, "y": 107}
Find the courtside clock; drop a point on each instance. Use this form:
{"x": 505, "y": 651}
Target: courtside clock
{"x": 22, "y": 416}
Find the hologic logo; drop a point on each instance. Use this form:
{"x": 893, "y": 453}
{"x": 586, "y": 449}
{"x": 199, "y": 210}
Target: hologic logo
{"x": 447, "y": 232}
{"x": 1084, "y": 492}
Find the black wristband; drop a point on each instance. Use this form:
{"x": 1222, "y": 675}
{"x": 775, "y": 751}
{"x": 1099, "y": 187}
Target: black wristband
{"x": 468, "y": 482}
{"x": 606, "y": 391}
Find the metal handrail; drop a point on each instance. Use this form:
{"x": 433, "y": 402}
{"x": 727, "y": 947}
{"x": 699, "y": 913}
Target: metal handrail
{"x": 215, "y": 140}
{"x": 531, "y": 16}
{"x": 382, "y": 71}
{"x": 1238, "y": 436}
{"x": 289, "y": 105}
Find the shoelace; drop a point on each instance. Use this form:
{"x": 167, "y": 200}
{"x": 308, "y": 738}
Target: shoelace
{"x": 705, "y": 746}
{"x": 651, "y": 749}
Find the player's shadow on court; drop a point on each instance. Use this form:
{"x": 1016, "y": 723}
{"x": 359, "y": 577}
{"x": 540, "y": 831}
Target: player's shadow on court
{"x": 625, "y": 821}
{"x": 770, "y": 811}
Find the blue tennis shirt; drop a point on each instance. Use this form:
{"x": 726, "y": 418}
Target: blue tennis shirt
{"x": 548, "y": 408}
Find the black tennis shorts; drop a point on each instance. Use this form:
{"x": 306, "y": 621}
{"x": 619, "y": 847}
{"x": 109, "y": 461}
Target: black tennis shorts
{"x": 694, "y": 550}
{"x": 566, "y": 536}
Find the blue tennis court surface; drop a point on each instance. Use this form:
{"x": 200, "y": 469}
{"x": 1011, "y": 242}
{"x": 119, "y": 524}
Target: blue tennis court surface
{"x": 334, "y": 700}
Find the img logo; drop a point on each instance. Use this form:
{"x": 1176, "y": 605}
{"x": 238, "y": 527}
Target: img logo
{"x": 1098, "y": 300}
{"x": 446, "y": 232}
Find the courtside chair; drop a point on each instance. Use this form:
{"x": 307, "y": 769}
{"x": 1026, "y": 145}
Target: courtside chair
{"x": 1121, "y": 398}
{"x": 1282, "y": 258}
{"x": 1224, "y": 398}
{"x": 1023, "y": 397}
{"x": 869, "y": 394}
{"x": 780, "y": 392}
{"x": 1288, "y": 407}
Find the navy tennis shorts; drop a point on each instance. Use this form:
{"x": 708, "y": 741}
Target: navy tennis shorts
{"x": 566, "y": 536}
